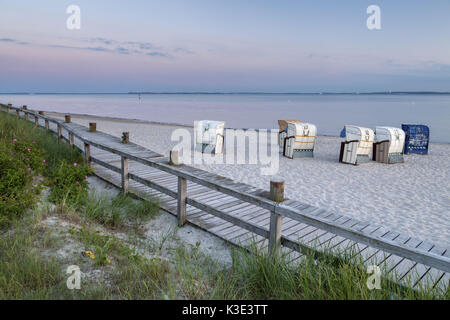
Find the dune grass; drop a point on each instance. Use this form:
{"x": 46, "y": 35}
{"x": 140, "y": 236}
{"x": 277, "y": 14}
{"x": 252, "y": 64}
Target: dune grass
{"x": 29, "y": 270}
{"x": 117, "y": 212}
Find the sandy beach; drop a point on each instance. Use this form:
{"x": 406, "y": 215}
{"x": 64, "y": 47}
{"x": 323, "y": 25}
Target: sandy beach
{"x": 411, "y": 198}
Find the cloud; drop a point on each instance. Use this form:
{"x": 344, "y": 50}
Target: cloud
{"x": 157, "y": 54}
{"x": 98, "y": 49}
{"x": 14, "y": 41}
{"x": 101, "y": 49}
{"x": 122, "y": 50}
{"x": 99, "y": 44}
{"x": 422, "y": 66}
{"x": 128, "y": 47}
{"x": 102, "y": 40}
{"x": 182, "y": 50}
{"x": 141, "y": 45}
{"x": 437, "y": 66}
{"x": 317, "y": 56}
{"x": 137, "y": 47}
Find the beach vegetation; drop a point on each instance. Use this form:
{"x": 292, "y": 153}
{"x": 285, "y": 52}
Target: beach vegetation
{"x": 118, "y": 212}
{"x": 68, "y": 182}
{"x": 31, "y": 158}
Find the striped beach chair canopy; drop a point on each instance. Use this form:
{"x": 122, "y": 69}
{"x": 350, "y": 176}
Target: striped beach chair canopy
{"x": 365, "y": 136}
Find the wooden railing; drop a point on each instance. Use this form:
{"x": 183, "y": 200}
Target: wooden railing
{"x": 278, "y": 210}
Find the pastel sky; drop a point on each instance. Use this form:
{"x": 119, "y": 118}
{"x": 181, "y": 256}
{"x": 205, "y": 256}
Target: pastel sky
{"x": 226, "y": 45}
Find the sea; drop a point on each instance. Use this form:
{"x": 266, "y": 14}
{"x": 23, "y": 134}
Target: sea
{"x": 328, "y": 111}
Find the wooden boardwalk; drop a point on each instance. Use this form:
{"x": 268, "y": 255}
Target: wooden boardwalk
{"x": 242, "y": 222}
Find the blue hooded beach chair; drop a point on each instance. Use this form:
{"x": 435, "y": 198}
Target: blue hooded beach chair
{"x": 417, "y": 138}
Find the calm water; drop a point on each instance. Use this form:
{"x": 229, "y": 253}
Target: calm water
{"x": 329, "y": 112}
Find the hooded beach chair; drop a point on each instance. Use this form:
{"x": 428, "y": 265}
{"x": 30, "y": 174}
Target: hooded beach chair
{"x": 209, "y": 136}
{"x": 283, "y": 124}
{"x": 417, "y": 138}
{"x": 357, "y": 145}
{"x": 388, "y": 145}
{"x": 299, "y": 140}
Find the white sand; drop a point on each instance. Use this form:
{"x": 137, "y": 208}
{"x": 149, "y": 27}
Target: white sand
{"x": 411, "y": 198}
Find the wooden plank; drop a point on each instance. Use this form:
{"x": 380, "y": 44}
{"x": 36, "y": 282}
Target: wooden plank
{"x": 244, "y": 213}
{"x": 276, "y": 222}
{"x": 106, "y": 165}
{"x": 384, "y": 244}
{"x": 125, "y": 175}
{"x": 260, "y": 216}
{"x": 181, "y": 201}
{"x": 428, "y": 276}
{"x": 246, "y": 225}
{"x": 217, "y": 202}
{"x": 153, "y": 185}
{"x": 59, "y": 132}
{"x": 87, "y": 154}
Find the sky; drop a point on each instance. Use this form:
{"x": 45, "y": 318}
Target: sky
{"x": 223, "y": 46}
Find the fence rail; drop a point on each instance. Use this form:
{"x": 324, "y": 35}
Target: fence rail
{"x": 278, "y": 210}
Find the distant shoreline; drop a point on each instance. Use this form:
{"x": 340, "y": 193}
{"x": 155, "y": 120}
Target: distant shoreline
{"x": 235, "y": 93}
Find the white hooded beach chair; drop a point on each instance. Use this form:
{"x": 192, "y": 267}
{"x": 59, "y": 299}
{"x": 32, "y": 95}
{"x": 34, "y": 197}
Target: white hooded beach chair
{"x": 389, "y": 145}
{"x": 357, "y": 145}
{"x": 283, "y": 124}
{"x": 299, "y": 140}
{"x": 209, "y": 136}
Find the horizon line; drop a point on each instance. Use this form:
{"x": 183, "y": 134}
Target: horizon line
{"x": 234, "y": 92}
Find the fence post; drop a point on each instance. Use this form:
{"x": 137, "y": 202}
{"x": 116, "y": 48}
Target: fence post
{"x": 125, "y": 137}
{"x": 9, "y": 107}
{"x": 181, "y": 199}
{"x": 87, "y": 154}
{"x": 174, "y": 158}
{"x": 277, "y": 190}
{"x": 276, "y": 221}
{"x": 25, "y": 113}
{"x": 92, "y": 126}
{"x": 59, "y": 132}
{"x": 36, "y": 121}
{"x": 18, "y": 113}
{"x": 67, "y": 118}
{"x": 47, "y": 125}
{"x": 71, "y": 138}
{"x": 125, "y": 177}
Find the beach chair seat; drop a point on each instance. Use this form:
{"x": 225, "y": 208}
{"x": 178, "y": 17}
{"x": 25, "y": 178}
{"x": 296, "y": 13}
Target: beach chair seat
{"x": 388, "y": 145}
{"x": 417, "y": 138}
{"x": 283, "y": 124}
{"x": 209, "y": 136}
{"x": 299, "y": 141}
{"x": 357, "y": 146}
